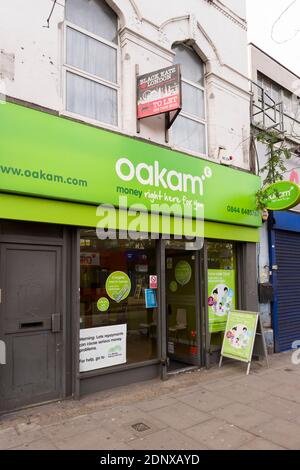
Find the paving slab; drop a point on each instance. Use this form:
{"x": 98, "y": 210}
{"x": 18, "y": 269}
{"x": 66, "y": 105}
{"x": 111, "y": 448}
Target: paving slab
{"x": 287, "y": 391}
{"x": 71, "y": 427}
{"x": 156, "y": 404}
{"x": 285, "y": 376}
{"x": 205, "y": 400}
{"x": 10, "y": 438}
{"x": 281, "y": 432}
{"x": 241, "y": 393}
{"x": 167, "y": 439}
{"x": 260, "y": 444}
{"x": 180, "y": 416}
{"x": 242, "y": 416}
{"x": 262, "y": 382}
{"x": 40, "y": 444}
{"x": 121, "y": 423}
{"x": 91, "y": 440}
{"x": 219, "y": 435}
{"x": 278, "y": 407}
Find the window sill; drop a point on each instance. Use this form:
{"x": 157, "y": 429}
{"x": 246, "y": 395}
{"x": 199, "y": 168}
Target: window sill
{"x": 86, "y": 120}
{"x": 116, "y": 369}
{"x": 192, "y": 153}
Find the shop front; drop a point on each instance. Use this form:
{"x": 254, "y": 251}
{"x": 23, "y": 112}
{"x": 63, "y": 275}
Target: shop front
{"x": 120, "y": 259}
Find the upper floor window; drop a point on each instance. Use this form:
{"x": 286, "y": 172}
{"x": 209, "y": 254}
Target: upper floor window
{"x": 92, "y": 88}
{"x": 291, "y": 105}
{"x": 189, "y": 129}
{"x": 271, "y": 88}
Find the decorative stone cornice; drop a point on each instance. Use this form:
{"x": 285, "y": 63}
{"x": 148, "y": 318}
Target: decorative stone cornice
{"x": 226, "y": 11}
{"x": 217, "y": 4}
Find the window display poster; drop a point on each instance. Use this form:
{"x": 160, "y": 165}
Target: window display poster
{"x": 118, "y": 286}
{"x": 102, "y": 347}
{"x": 150, "y": 298}
{"x": 183, "y": 273}
{"x": 89, "y": 259}
{"x": 221, "y": 297}
{"x": 239, "y": 335}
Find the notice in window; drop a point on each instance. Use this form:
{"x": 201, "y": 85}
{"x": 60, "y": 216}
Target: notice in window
{"x": 102, "y": 347}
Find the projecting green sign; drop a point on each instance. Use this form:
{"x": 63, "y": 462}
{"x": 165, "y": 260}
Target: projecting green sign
{"x": 282, "y": 195}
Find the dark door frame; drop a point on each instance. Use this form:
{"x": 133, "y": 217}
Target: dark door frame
{"x": 200, "y": 312}
{"x": 64, "y": 243}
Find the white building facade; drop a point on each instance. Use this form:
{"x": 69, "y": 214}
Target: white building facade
{"x": 37, "y": 62}
{"x": 93, "y": 312}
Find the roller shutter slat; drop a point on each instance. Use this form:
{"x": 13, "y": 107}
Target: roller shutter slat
{"x": 288, "y": 288}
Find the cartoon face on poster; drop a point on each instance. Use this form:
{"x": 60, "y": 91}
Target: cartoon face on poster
{"x": 239, "y": 335}
{"x": 221, "y": 300}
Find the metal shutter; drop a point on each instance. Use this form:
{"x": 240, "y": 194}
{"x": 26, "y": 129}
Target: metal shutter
{"x": 287, "y": 305}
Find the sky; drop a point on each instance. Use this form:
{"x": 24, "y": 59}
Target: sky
{"x": 278, "y": 36}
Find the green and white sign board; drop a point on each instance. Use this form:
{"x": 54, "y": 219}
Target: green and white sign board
{"x": 221, "y": 297}
{"x": 52, "y": 157}
{"x": 241, "y": 336}
{"x": 282, "y": 195}
{"x": 118, "y": 286}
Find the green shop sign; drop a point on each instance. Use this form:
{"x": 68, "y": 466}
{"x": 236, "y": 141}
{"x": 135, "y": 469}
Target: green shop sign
{"x": 282, "y": 195}
{"x": 53, "y": 157}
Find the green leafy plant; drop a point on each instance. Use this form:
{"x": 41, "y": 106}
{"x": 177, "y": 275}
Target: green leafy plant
{"x": 274, "y": 168}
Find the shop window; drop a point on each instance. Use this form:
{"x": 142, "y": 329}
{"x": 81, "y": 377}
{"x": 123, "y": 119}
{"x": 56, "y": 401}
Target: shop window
{"x": 222, "y": 287}
{"x": 189, "y": 129}
{"x": 114, "y": 284}
{"x": 92, "y": 60}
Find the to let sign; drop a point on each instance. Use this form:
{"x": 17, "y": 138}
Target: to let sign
{"x": 159, "y": 92}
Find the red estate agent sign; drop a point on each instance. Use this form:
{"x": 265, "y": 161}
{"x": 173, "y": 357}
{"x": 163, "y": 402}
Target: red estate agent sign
{"x": 153, "y": 282}
{"x": 159, "y": 92}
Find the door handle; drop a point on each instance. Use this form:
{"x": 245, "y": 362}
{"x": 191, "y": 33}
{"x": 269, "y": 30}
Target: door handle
{"x": 2, "y": 352}
{"x": 55, "y": 321}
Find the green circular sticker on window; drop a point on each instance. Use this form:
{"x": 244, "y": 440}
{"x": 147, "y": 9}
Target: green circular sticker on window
{"x": 118, "y": 286}
{"x": 183, "y": 273}
{"x": 103, "y": 304}
{"x": 173, "y": 286}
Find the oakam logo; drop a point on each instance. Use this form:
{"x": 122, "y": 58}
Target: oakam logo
{"x": 154, "y": 175}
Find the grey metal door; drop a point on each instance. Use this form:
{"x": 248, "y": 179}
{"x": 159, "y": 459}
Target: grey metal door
{"x": 30, "y": 324}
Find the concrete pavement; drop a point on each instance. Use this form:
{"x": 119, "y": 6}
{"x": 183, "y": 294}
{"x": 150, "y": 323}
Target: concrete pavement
{"x": 215, "y": 409}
